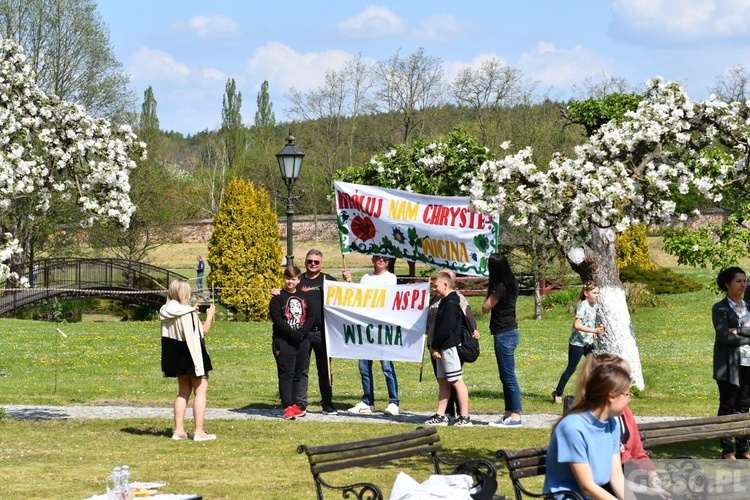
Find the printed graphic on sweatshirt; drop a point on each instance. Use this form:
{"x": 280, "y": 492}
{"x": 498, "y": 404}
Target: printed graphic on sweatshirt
{"x": 295, "y": 312}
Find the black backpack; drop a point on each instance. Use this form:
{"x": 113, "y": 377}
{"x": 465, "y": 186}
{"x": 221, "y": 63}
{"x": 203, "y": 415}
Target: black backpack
{"x": 468, "y": 348}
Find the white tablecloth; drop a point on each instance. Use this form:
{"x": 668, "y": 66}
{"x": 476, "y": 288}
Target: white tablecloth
{"x": 159, "y": 496}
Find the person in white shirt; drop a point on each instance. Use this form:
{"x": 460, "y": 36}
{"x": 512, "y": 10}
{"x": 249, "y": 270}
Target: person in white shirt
{"x": 379, "y": 276}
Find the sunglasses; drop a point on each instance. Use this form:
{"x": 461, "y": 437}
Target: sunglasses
{"x": 313, "y": 262}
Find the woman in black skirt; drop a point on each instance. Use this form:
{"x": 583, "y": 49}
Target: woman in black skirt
{"x": 183, "y": 355}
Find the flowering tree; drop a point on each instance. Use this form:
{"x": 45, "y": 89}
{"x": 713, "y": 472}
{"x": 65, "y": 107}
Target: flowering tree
{"x": 627, "y": 173}
{"x": 51, "y": 149}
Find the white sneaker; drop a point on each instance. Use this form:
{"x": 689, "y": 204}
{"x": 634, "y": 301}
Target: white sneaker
{"x": 361, "y": 407}
{"x": 391, "y": 409}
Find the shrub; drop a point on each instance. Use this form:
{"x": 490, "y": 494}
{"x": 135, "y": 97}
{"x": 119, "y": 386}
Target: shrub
{"x": 244, "y": 251}
{"x": 631, "y": 248}
{"x": 660, "y": 280}
{"x": 564, "y": 298}
{"x": 637, "y": 295}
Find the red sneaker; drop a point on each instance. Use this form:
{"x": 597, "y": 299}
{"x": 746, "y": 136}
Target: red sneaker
{"x": 289, "y": 412}
{"x": 297, "y": 411}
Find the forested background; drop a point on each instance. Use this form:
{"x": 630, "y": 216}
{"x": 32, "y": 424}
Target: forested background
{"x": 361, "y": 110}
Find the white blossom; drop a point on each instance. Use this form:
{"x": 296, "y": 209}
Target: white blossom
{"x": 50, "y": 145}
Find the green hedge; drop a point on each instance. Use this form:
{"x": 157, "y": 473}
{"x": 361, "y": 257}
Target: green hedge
{"x": 661, "y": 281}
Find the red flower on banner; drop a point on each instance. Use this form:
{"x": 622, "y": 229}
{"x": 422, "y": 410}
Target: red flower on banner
{"x": 363, "y": 228}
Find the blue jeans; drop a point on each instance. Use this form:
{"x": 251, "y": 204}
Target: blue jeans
{"x": 365, "y": 370}
{"x": 505, "y": 346}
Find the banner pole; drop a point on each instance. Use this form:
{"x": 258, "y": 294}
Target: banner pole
{"x": 421, "y": 367}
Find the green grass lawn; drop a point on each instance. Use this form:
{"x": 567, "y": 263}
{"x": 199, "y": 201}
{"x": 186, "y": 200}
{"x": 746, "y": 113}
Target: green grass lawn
{"x": 118, "y": 363}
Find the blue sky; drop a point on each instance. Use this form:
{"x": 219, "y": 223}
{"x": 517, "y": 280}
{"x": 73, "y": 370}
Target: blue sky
{"x": 187, "y": 49}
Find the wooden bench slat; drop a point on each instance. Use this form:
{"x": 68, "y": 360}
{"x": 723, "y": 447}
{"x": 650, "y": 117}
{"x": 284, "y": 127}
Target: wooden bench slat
{"x": 365, "y": 460}
{"x": 529, "y": 472}
{"x": 666, "y": 424}
{"x": 365, "y": 443}
{"x": 424, "y": 444}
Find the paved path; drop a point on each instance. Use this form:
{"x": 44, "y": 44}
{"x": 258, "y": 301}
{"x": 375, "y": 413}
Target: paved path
{"x": 530, "y": 420}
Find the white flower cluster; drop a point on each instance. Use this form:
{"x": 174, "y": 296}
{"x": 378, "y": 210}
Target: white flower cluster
{"x": 624, "y": 175}
{"x": 49, "y": 146}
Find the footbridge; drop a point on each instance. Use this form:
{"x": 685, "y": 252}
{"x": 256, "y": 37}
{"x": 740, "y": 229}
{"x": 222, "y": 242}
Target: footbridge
{"x": 75, "y": 278}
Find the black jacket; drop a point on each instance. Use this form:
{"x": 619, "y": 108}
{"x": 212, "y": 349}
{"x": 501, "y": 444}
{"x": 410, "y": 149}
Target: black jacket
{"x": 448, "y": 323}
{"x": 727, "y": 345}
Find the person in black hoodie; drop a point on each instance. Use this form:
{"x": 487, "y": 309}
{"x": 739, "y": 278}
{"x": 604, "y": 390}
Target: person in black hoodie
{"x": 443, "y": 350}
{"x": 292, "y": 319}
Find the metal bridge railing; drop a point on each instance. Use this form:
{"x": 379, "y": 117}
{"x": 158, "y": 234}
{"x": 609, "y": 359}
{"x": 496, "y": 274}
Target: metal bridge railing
{"x": 75, "y": 277}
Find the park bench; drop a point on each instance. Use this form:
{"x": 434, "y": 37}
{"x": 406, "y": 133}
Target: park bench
{"x": 378, "y": 451}
{"x": 530, "y": 462}
{"x": 527, "y": 463}
{"x": 693, "y": 429}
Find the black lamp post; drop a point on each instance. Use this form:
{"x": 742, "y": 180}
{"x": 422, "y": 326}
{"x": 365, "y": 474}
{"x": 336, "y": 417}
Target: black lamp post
{"x": 290, "y": 162}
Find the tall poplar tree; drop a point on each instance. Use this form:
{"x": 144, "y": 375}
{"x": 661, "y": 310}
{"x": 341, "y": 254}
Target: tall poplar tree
{"x": 266, "y": 172}
{"x": 232, "y": 129}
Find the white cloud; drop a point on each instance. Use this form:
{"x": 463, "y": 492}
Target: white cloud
{"x": 373, "y": 22}
{"x": 680, "y": 21}
{"x": 560, "y": 67}
{"x": 213, "y": 74}
{"x": 439, "y": 28}
{"x": 284, "y": 67}
{"x": 216, "y": 26}
{"x": 150, "y": 64}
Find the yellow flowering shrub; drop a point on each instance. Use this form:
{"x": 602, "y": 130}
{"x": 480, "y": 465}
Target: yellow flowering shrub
{"x": 632, "y": 248}
{"x": 244, "y": 251}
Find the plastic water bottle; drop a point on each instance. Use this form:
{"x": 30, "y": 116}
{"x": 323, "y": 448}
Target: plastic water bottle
{"x": 125, "y": 478}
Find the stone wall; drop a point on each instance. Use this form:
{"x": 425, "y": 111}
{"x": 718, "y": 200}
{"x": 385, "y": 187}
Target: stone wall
{"x": 322, "y": 227}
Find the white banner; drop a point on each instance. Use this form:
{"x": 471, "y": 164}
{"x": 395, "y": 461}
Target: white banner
{"x": 441, "y": 231}
{"x": 375, "y": 322}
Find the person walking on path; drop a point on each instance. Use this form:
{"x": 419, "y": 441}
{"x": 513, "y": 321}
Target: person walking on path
{"x": 445, "y": 339}
{"x": 380, "y": 276}
{"x": 502, "y": 294}
{"x": 183, "y": 355}
{"x": 292, "y": 319}
{"x": 731, "y": 370}
{"x": 311, "y": 282}
{"x": 200, "y": 269}
{"x": 582, "y": 337}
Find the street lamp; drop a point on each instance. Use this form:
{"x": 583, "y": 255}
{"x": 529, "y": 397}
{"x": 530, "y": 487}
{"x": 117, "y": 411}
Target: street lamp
{"x": 290, "y": 161}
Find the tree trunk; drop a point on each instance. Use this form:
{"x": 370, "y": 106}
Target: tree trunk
{"x": 597, "y": 262}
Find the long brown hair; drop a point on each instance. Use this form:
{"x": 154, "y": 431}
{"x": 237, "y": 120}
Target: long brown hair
{"x": 590, "y": 362}
{"x": 604, "y": 380}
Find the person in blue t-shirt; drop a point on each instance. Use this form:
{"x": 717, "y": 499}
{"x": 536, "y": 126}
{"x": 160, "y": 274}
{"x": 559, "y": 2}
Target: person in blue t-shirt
{"x": 584, "y": 451}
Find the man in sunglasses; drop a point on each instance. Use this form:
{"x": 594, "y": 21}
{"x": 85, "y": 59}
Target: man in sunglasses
{"x": 379, "y": 276}
{"x": 311, "y": 281}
